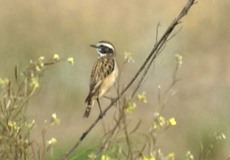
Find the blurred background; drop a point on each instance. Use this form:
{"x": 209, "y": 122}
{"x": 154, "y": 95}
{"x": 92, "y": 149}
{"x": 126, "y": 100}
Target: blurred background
{"x": 201, "y": 105}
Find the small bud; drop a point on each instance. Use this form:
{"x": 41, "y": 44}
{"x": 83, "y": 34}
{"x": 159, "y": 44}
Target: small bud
{"x": 71, "y": 60}
{"x": 54, "y": 119}
{"x": 41, "y": 58}
{"x": 52, "y": 141}
{"x": 56, "y": 57}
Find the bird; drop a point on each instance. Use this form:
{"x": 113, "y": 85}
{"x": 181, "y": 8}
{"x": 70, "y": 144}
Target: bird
{"x": 103, "y": 75}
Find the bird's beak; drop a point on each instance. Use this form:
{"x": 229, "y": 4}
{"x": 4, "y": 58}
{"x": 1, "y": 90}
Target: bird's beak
{"x": 93, "y": 45}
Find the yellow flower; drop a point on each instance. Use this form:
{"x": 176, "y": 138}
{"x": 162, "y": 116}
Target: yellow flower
{"x": 38, "y": 68}
{"x": 52, "y": 141}
{"x": 161, "y": 121}
{"x": 11, "y": 124}
{"x": 220, "y": 136}
{"x": 172, "y": 121}
{"x": 30, "y": 125}
{"x": 4, "y": 81}
{"x": 189, "y": 156}
{"x": 128, "y": 57}
{"x": 54, "y": 116}
{"x": 34, "y": 82}
{"x": 142, "y": 97}
{"x": 149, "y": 158}
{"x": 54, "y": 119}
{"x": 41, "y": 58}
{"x": 154, "y": 126}
{"x": 131, "y": 107}
{"x": 40, "y": 63}
{"x": 171, "y": 156}
{"x": 105, "y": 157}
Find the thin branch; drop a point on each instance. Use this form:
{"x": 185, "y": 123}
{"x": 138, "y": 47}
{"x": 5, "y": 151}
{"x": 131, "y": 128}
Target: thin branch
{"x": 172, "y": 36}
{"x": 152, "y": 55}
{"x": 142, "y": 79}
{"x": 112, "y": 132}
{"x": 135, "y": 128}
{"x": 130, "y": 156}
{"x": 158, "y": 26}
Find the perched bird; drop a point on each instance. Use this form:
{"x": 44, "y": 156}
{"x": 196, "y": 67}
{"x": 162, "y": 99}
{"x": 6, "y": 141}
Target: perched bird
{"x": 103, "y": 75}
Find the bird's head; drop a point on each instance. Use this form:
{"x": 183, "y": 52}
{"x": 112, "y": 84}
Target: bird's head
{"x": 104, "y": 48}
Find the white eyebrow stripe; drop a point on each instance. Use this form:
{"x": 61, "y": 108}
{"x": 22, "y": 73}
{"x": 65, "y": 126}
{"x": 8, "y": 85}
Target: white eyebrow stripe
{"x": 107, "y": 45}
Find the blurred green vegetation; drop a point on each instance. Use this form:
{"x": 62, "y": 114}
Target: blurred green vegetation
{"x": 30, "y": 29}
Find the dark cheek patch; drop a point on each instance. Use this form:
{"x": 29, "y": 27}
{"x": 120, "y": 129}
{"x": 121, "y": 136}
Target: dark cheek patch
{"x": 105, "y": 50}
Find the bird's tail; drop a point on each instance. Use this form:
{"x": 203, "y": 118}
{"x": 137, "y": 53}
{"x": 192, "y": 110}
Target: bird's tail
{"x": 87, "y": 111}
{"x": 89, "y": 103}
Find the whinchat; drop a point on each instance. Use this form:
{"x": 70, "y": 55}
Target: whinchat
{"x": 103, "y": 75}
